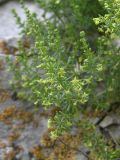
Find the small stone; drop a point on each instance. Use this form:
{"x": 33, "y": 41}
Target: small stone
{"x": 12, "y": 42}
{"x": 108, "y": 120}
{"x": 114, "y": 132}
{"x": 95, "y": 120}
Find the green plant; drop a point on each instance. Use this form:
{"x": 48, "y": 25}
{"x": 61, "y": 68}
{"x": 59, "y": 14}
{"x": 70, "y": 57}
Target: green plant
{"x": 99, "y": 147}
{"x": 73, "y": 16}
{"x": 60, "y": 69}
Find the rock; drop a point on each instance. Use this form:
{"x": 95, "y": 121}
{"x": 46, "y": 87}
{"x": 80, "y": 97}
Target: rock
{"x": 24, "y": 156}
{"x": 117, "y": 42}
{"x": 114, "y": 132}
{"x": 111, "y": 125}
{"x": 109, "y": 120}
{"x": 31, "y": 136}
{"x": 8, "y": 27}
{"x": 83, "y": 153}
{"x": 12, "y": 42}
{"x": 9, "y": 30}
{"x": 95, "y": 120}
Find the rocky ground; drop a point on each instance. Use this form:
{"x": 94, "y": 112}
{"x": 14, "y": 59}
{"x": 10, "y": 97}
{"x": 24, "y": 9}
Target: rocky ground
{"x": 23, "y": 132}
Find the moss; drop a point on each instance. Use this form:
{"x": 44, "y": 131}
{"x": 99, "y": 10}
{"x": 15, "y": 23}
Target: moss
{"x": 13, "y": 113}
{"x": 4, "y": 95}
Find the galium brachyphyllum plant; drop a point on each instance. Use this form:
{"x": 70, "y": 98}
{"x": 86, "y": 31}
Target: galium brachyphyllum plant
{"x": 71, "y": 17}
{"x": 45, "y": 76}
{"x": 110, "y": 54}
